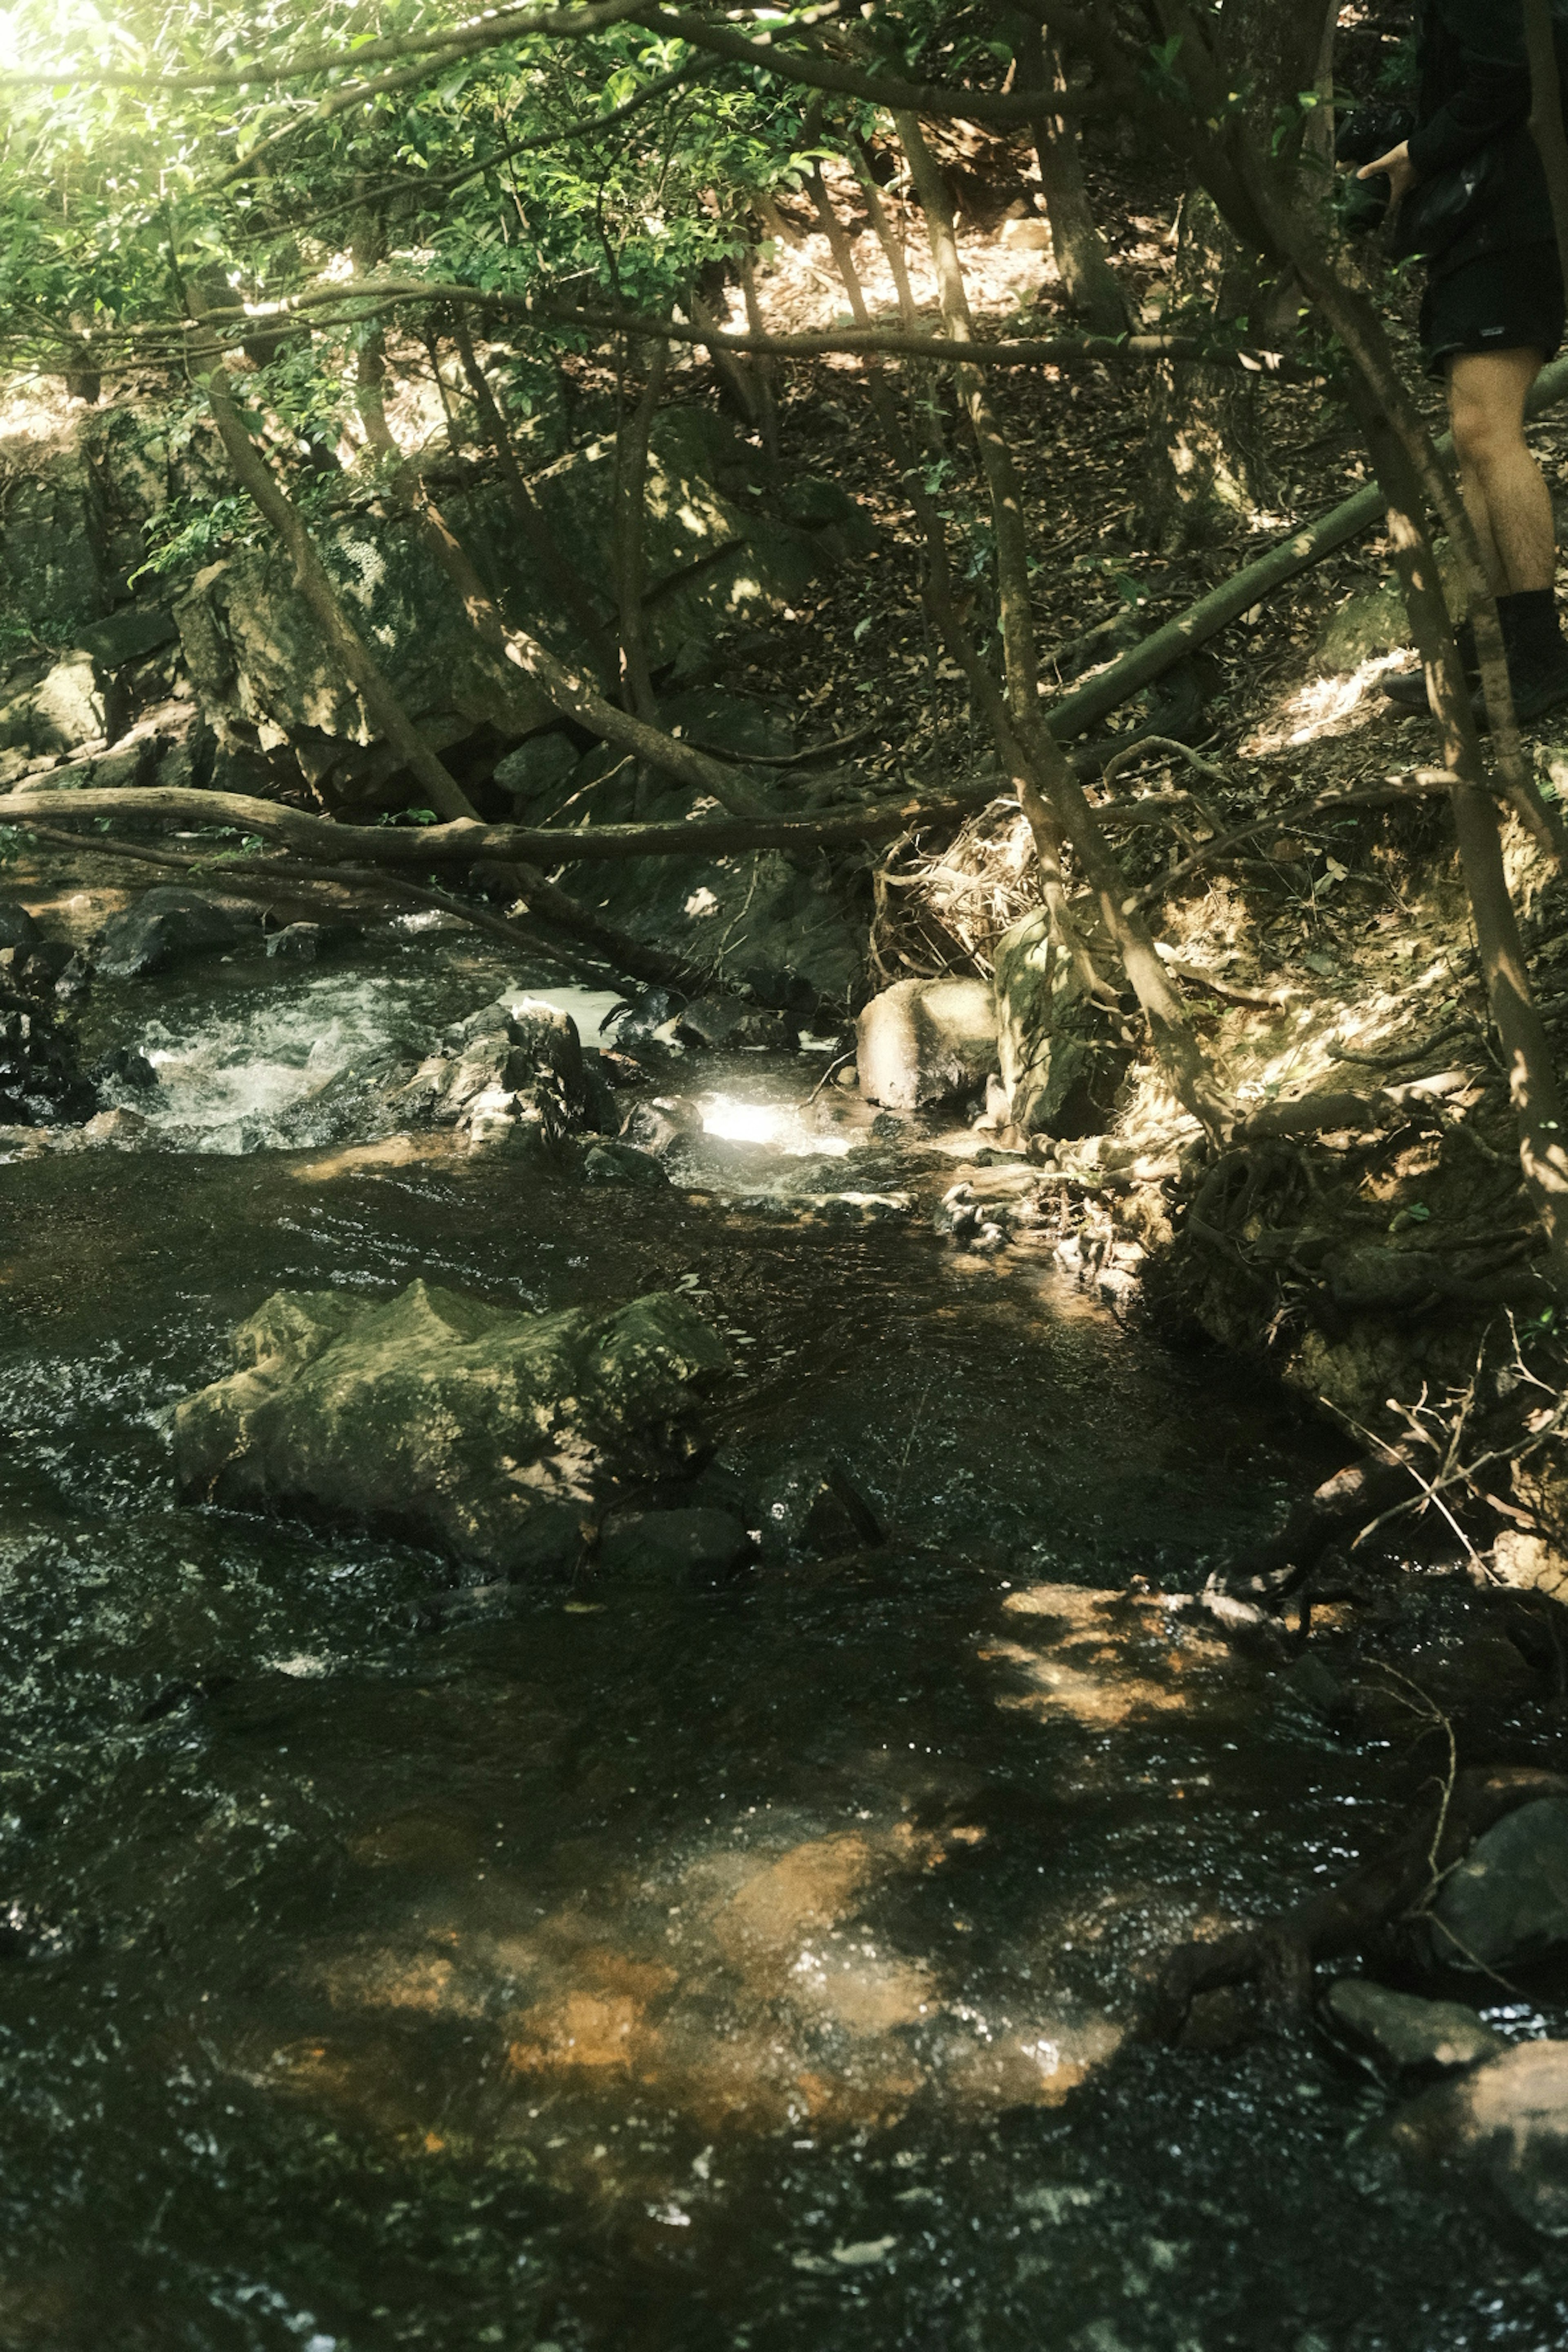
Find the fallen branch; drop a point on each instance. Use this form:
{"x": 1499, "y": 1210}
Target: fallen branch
{"x": 1327, "y": 804}
{"x": 466, "y": 840}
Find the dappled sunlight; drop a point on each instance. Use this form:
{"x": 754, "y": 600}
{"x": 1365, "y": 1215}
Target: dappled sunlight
{"x": 1324, "y": 707}
{"x": 1098, "y": 1659}
{"x": 740, "y": 1985}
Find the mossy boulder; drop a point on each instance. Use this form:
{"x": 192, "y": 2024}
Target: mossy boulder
{"x": 1058, "y": 1063}
{"x": 496, "y": 1437}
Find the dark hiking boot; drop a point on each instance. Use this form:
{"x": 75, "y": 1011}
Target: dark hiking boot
{"x": 1537, "y": 655}
{"x": 1408, "y": 691}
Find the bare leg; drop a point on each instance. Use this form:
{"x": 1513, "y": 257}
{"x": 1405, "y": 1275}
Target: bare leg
{"x": 1504, "y": 488}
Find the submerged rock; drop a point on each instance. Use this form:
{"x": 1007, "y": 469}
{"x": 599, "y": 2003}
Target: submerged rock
{"x": 167, "y": 926}
{"x": 926, "y": 1041}
{"x": 1507, "y": 1904}
{"x": 493, "y": 1436}
{"x": 1501, "y": 2129}
{"x": 674, "y": 1545}
{"x": 1407, "y": 2032}
{"x": 817, "y": 1506}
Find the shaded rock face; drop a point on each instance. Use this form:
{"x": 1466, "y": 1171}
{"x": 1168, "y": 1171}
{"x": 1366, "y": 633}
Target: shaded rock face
{"x": 494, "y": 1436}
{"x": 167, "y": 926}
{"x": 64, "y": 707}
{"x": 1501, "y": 2130}
{"x": 513, "y": 1076}
{"x": 267, "y": 682}
{"x": 674, "y": 1545}
{"x": 1507, "y": 1904}
{"x": 1059, "y": 1070}
{"x": 926, "y": 1041}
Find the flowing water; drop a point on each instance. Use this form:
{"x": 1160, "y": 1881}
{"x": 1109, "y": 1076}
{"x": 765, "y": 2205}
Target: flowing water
{"x": 636, "y": 1965}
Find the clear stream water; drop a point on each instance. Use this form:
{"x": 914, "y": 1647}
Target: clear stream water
{"x": 649, "y": 1968}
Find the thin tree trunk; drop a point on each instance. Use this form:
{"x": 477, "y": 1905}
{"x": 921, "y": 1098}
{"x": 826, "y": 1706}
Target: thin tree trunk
{"x": 1076, "y": 246}
{"x": 631, "y": 538}
{"x": 767, "y": 370}
{"x": 1173, "y": 1041}
{"x": 736, "y": 379}
{"x": 383, "y": 703}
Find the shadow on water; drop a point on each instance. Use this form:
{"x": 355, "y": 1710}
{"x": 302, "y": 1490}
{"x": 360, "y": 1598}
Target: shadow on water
{"x": 641, "y": 1966}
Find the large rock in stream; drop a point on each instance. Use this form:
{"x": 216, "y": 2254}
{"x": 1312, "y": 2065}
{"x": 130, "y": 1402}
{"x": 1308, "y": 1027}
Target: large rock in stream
{"x": 926, "y": 1041}
{"x": 1500, "y": 2130}
{"x": 497, "y": 1438}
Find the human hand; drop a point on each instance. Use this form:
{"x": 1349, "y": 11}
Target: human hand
{"x": 1401, "y": 172}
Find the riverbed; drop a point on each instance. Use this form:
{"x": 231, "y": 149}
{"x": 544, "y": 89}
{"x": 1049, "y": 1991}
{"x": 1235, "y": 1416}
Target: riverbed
{"x": 615, "y": 1963}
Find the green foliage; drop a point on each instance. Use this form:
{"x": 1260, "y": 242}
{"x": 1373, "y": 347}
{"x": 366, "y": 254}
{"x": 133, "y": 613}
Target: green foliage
{"x": 189, "y": 532}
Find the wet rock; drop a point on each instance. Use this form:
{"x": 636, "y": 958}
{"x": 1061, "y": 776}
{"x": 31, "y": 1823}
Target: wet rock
{"x": 655, "y": 1124}
{"x": 1500, "y": 2130}
{"x": 493, "y": 1436}
{"x": 1407, "y": 2032}
{"x": 926, "y": 1041}
{"x": 308, "y": 943}
{"x": 668, "y": 1547}
{"x": 125, "y": 1066}
{"x": 121, "y": 1129}
{"x": 1530, "y": 1563}
{"x": 17, "y": 929}
{"x": 40, "y": 1084}
{"x": 168, "y": 925}
{"x": 718, "y": 1021}
{"x": 621, "y": 1163}
{"x": 1313, "y": 1683}
{"x": 1507, "y": 1904}
{"x": 517, "y": 1059}
{"x": 817, "y": 1506}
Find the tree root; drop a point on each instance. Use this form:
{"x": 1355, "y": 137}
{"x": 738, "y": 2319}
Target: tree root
{"x": 1282, "y": 1952}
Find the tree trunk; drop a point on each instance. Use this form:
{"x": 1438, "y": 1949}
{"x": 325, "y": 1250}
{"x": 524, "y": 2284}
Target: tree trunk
{"x": 1088, "y": 279}
{"x": 631, "y": 537}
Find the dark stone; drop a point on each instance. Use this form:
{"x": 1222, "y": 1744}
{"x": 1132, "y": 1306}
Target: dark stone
{"x": 817, "y": 1506}
{"x": 126, "y": 636}
{"x": 303, "y": 942}
{"x": 730, "y": 724}
{"x": 17, "y": 929}
{"x": 537, "y": 767}
{"x": 124, "y": 1066}
{"x": 654, "y": 1126}
{"x": 1507, "y": 1904}
{"x": 171, "y": 925}
{"x": 494, "y": 1435}
{"x": 621, "y": 1163}
{"x": 672, "y": 1545}
{"x": 718, "y": 1021}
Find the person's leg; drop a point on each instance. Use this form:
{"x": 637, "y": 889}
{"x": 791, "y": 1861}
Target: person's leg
{"x": 1504, "y": 488}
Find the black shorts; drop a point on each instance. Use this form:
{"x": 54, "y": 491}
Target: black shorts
{"x": 1503, "y": 301}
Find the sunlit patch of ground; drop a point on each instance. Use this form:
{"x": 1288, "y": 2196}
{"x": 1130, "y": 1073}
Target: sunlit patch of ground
{"x": 1325, "y": 706}
{"x": 1099, "y": 1658}
{"x": 799, "y": 289}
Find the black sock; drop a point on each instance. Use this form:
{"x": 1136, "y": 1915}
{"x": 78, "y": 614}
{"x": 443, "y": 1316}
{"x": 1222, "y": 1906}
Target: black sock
{"x": 1529, "y": 621}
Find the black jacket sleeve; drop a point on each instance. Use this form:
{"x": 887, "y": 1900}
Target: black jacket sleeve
{"x": 1493, "y": 73}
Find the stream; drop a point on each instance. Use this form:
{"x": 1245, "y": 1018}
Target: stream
{"x": 620, "y": 1964}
